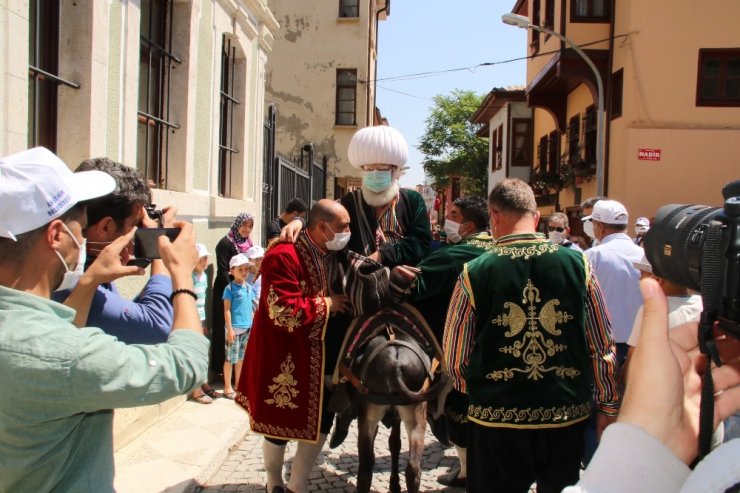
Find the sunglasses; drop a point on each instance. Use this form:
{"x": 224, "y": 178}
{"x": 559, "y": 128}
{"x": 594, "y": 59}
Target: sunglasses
{"x": 559, "y": 229}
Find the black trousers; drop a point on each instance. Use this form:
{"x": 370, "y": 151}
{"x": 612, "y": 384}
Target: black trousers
{"x": 509, "y": 460}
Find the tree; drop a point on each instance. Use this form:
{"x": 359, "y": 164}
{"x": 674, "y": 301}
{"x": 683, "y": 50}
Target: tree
{"x": 450, "y": 146}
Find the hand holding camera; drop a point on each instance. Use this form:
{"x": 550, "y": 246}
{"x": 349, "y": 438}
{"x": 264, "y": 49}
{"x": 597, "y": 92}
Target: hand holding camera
{"x": 112, "y": 261}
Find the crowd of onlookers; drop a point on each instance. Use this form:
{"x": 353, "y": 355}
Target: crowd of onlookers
{"x": 72, "y": 348}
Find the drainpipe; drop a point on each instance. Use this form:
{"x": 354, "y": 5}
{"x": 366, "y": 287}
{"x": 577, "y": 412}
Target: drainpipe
{"x": 371, "y": 104}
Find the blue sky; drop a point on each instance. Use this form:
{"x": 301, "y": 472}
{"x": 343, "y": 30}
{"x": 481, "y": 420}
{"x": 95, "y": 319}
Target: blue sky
{"x": 435, "y": 35}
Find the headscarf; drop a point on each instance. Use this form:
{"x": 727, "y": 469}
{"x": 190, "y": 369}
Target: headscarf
{"x": 241, "y": 243}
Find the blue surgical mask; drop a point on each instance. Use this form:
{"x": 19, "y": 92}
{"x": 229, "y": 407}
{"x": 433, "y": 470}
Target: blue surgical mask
{"x": 377, "y": 181}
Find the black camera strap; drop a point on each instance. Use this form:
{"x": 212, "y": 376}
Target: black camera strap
{"x": 710, "y": 293}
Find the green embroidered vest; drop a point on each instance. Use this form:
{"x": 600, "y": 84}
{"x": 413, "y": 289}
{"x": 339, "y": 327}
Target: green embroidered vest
{"x": 530, "y": 366}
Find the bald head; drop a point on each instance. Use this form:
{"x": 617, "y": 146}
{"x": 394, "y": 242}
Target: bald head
{"x": 324, "y": 210}
{"x": 325, "y": 219}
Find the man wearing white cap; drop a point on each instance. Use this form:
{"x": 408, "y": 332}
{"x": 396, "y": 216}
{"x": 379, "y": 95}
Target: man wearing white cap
{"x": 612, "y": 260}
{"x": 61, "y": 382}
{"x": 642, "y": 226}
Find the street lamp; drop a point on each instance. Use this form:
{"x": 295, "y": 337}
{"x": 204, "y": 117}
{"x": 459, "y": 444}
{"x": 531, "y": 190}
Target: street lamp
{"x": 523, "y": 22}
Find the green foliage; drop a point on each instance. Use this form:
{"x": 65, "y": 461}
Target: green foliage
{"x": 450, "y": 146}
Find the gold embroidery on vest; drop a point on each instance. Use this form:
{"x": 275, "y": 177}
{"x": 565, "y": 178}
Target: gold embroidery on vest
{"x": 525, "y": 251}
{"x": 539, "y": 415}
{"x": 284, "y": 389}
{"x": 282, "y": 315}
{"x": 534, "y": 347}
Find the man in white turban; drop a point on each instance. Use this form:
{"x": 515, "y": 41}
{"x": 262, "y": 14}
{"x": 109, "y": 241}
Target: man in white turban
{"x": 388, "y": 224}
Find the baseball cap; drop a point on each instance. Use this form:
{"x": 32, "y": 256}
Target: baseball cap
{"x": 36, "y": 187}
{"x": 608, "y": 212}
{"x": 237, "y": 260}
{"x": 202, "y": 250}
{"x": 256, "y": 252}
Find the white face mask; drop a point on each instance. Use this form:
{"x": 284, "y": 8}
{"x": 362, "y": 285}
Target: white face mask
{"x": 72, "y": 277}
{"x": 555, "y": 237}
{"x": 452, "y": 230}
{"x": 588, "y": 228}
{"x": 339, "y": 241}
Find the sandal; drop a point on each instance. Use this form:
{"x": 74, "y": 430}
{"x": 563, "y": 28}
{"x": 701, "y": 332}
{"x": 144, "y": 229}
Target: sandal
{"x": 231, "y": 395}
{"x": 210, "y": 392}
{"x": 203, "y": 399}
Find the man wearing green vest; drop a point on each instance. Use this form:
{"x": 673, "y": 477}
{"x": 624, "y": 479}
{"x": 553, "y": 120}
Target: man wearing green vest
{"x": 466, "y": 224}
{"x": 528, "y": 339}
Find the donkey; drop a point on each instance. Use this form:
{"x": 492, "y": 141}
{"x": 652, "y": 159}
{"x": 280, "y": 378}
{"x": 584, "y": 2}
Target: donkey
{"x": 394, "y": 374}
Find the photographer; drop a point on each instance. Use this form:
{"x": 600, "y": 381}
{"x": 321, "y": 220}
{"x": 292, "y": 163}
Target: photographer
{"x": 146, "y": 319}
{"x": 62, "y": 382}
{"x": 650, "y": 447}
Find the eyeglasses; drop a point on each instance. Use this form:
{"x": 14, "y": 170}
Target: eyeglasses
{"x": 559, "y": 229}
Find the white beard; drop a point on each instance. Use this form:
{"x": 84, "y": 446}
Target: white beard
{"x": 379, "y": 199}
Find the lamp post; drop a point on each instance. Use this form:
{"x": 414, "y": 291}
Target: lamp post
{"x": 523, "y": 22}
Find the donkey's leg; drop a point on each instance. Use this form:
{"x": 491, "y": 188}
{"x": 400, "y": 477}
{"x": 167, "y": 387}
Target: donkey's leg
{"x": 367, "y": 425}
{"x": 394, "y": 446}
{"x": 415, "y": 419}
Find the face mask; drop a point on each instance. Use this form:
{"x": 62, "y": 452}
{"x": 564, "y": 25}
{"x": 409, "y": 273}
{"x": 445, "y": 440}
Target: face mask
{"x": 588, "y": 228}
{"x": 377, "y": 181}
{"x": 72, "y": 277}
{"x": 339, "y": 242}
{"x": 555, "y": 237}
{"x": 452, "y": 230}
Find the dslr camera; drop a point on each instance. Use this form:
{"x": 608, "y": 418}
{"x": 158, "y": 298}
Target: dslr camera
{"x": 699, "y": 247}
{"x": 154, "y": 213}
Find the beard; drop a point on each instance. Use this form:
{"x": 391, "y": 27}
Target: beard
{"x": 379, "y": 199}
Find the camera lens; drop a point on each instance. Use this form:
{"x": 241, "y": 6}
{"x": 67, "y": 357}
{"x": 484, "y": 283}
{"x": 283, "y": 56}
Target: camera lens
{"x": 673, "y": 245}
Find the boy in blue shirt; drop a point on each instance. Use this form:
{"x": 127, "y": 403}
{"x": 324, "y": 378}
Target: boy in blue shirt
{"x": 239, "y": 304}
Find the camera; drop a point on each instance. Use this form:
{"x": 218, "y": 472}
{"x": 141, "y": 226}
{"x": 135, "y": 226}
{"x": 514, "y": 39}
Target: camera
{"x": 699, "y": 247}
{"x": 154, "y": 213}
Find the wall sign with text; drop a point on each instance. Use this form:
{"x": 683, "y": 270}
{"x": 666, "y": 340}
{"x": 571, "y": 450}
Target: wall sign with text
{"x": 648, "y": 154}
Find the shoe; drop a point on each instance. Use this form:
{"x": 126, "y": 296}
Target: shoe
{"x": 210, "y": 392}
{"x": 203, "y": 399}
{"x": 231, "y": 396}
{"x": 452, "y": 478}
{"x": 276, "y": 489}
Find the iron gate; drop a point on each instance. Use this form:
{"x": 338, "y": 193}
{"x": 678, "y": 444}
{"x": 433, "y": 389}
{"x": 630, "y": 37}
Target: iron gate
{"x": 285, "y": 178}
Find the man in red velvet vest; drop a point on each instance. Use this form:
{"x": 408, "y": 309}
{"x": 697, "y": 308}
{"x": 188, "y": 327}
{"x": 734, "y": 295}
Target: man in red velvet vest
{"x": 282, "y": 385}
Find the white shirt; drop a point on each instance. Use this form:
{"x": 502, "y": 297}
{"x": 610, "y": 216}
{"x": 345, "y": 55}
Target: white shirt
{"x": 619, "y": 280}
{"x": 681, "y": 310}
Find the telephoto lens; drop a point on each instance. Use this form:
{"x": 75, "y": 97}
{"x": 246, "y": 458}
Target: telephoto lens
{"x": 674, "y": 243}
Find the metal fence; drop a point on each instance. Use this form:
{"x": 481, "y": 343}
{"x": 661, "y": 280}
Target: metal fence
{"x": 285, "y": 178}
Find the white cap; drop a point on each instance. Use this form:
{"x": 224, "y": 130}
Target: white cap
{"x": 608, "y": 212}
{"x": 642, "y": 221}
{"x": 256, "y": 252}
{"x": 378, "y": 145}
{"x": 36, "y": 187}
{"x": 237, "y": 260}
{"x": 202, "y": 250}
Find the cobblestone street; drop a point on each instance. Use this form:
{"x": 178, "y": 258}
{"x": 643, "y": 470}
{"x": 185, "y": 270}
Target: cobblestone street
{"x": 336, "y": 470}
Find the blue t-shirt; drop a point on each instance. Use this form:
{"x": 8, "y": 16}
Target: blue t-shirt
{"x": 242, "y": 300}
{"x": 200, "y": 286}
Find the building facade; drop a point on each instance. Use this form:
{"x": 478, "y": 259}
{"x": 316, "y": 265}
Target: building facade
{"x": 507, "y": 124}
{"x": 671, "y": 96}
{"x": 172, "y": 87}
{"x": 321, "y": 79}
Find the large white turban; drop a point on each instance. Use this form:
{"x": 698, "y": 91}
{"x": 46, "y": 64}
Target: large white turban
{"x": 378, "y": 145}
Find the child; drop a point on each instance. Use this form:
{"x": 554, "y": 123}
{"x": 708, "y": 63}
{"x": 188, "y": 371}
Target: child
{"x": 255, "y": 254}
{"x": 238, "y": 313}
{"x": 203, "y": 394}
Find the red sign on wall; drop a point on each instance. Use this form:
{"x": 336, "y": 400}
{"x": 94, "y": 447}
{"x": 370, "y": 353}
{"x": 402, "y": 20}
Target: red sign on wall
{"x": 648, "y": 154}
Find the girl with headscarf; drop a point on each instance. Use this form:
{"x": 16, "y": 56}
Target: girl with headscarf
{"x": 237, "y": 240}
